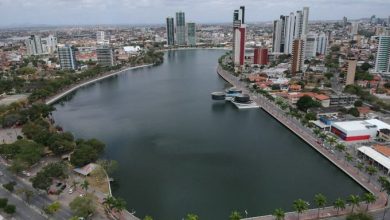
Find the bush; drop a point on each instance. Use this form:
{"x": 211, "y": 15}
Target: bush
{"x": 359, "y": 216}
{"x": 10, "y": 186}
{"x": 10, "y": 209}
{"x": 3, "y": 202}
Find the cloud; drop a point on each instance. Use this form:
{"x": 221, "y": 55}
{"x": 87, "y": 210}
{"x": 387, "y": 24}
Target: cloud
{"x": 154, "y": 11}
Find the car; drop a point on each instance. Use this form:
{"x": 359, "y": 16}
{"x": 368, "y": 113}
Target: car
{"x": 26, "y": 173}
{"x": 59, "y": 184}
{"x": 70, "y": 191}
{"x": 63, "y": 187}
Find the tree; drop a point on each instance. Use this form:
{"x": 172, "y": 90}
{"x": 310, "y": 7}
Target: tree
{"x": 279, "y": 214}
{"x": 316, "y": 131}
{"x": 359, "y": 216}
{"x": 192, "y": 217}
{"x": 354, "y": 112}
{"x": 353, "y": 200}
{"x": 348, "y": 157}
{"x": 360, "y": 166}
{"x": 52, "y": 208}
{"x": 10, "y": 209}
{"x": 369, "y": 198}
{"x": 340, "y": 147}
{"x": 85, "y": 185}
{"x": 148, "y": 217}
{"x": 83, "y": 154}
{"x": 83, "y": 206}
{"x": 300, "y": 206}
{"x": 3, "y": 202}
{"x": 44, "y": 178}
{"x": 306, "y": 102}
{"x": 339, "y": 204}
{"x": 371, "y": 170}
{"x": 119, "y": 204}
{"x": 358, "y": 103}
{"x": 320, "y": 201}
{"x": 331, "y": 140}
{"x": 10, "y": 186}
{"x": 108, "y": 165}
{"x": 235, "y": 215}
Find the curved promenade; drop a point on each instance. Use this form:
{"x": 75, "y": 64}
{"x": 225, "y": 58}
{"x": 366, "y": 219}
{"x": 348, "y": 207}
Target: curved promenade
{"x": 306, "y": 135}
{"x": 55, "y": 98}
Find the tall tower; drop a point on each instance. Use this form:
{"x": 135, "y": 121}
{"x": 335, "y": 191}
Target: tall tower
{"x": 170, "y": 31}
{"x": 305, "y": 22}
{"x": 105, "y": 56}
{"x": 297, "y": 58}
{"x": 239, "y": 36}
{"x": 180, "y": 28}
{"x": 100, "y": 37}
{"x": 66, "y": 57}
{"x": 322, "y": 43}
{"x": 310, "y": 46}
{"x": 382, "y": 63}
{"x": 191, "y": 34}
{"x": 351, "y": 71}
{"x": 34, "y": 45}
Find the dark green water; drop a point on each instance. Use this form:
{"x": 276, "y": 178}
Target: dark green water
{"x": 180, "y": 152}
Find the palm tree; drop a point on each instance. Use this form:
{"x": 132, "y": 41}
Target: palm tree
{"x": 331, "y": 140}
{"x": 348, "y": 158}
{"x": 148, "y": 217}
{"x": 119, "y": 204}
{"x": 340, "y": 147}
{"x": 109, "y": 202}
{"x": 369, "y": 198}
{"x": 360, "y": 166}
{"x": 371, "y": 170}
{"x": 353, "y": 200}
{"x": 322, "y": 136}
{"x": 279, "y": 214}
{"x": 192, "y": 217}
{"x": 339, "y": 204}
{"x": 84, "y": 185}
{"x": 316, "y": 131}
{"x": 320, "y": 200}
{"x": 300, "y": 206}
{"x": 235, "y": 215}
{"x": 383, "y": 181}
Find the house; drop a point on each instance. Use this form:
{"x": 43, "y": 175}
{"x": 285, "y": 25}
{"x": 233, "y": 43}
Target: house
{"x": 364, "y": 111}
{"x": 384, "y": 134}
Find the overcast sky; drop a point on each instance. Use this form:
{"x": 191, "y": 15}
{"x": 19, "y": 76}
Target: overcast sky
{"x": 58, "y": 12}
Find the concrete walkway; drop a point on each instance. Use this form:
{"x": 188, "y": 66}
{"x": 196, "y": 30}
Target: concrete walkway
{"x": 308, "y": 137}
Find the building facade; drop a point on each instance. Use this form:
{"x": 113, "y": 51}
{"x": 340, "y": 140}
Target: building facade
{"x": 322, "y": 43}
{"x": 180, "y": 28}
{"x": 310, "y": 46}
{"x": 239, "y": 36}
{"x": 170, "y": 31}
{"x": 260, "y": 56}
{"x": 105, "y": 56}
{"x": 34, "y": 45}
{"x": 191, "y": 34}
{"x": 351, "y": 71}
{"x": 297, "y": 58}
{"x": 382, "y": 62}
{"x": 67, "y": 58}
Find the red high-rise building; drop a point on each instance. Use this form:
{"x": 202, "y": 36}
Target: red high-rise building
{"x": 260, "y": 56}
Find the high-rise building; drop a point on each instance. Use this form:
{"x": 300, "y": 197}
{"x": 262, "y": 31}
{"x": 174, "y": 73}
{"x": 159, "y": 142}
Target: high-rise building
{"x": 354, "y": 28}
{"x": 382, "y": 63}
{"x": 260, "y": 56}
{"x": 49, "y": 44}
{"x": 67, "y": 57}
{"x": 289, "y": 28}
{"x": 322, "y": 43}
{"x": 180, "y": 28}
{"x": 239, "y": 36}
{"x": 34, "y": 45}
{"x": 170, "y": 31}
{"x": 105, "y": 56}
{"x": 305, "y": 22}
{"x": 191, "y": 34}
{"x": 297, "y": 58}
{"x": 310, "y": 46}
{"x": 100, "y": 37}
{"x": 350, "y": 80}
{"x": 345, "y": 21}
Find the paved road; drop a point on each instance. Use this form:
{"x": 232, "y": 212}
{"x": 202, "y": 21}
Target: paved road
{"x": 38, "y": 200}
{"x": 307, "y": 135}
{"x": 23, "y": 210}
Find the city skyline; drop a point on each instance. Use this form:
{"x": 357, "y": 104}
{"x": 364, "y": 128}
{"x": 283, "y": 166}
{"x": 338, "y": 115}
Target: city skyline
{"x": 89, "y": 12}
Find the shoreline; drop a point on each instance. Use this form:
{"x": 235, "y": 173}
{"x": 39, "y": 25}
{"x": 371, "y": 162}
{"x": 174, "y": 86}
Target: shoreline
{"x": 57, "y": 97}
{"x": 351, "y": 171}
